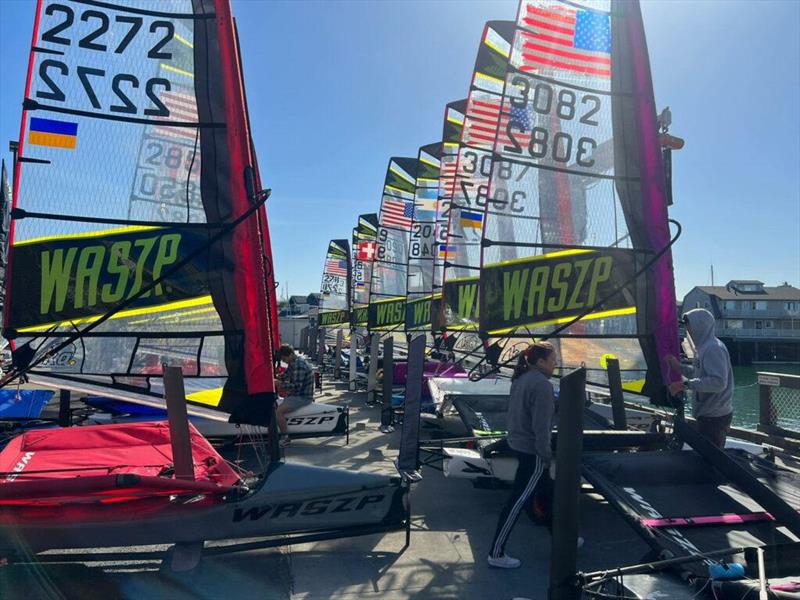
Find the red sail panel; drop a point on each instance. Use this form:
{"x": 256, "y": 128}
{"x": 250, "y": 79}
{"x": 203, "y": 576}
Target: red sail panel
{"x": 258, "y": 361}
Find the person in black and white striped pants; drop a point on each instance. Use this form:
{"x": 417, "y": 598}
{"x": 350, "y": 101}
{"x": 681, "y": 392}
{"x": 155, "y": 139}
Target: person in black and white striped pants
{"x": 530, "y": 421}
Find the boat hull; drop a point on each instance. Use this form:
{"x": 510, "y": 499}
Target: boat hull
{"x": 292, "y": 499}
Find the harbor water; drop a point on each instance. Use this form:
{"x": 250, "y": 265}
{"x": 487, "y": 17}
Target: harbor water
{"x": 745, "y": 396}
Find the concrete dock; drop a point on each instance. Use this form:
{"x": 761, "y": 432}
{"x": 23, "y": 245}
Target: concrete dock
{"x": 453, "y": 523}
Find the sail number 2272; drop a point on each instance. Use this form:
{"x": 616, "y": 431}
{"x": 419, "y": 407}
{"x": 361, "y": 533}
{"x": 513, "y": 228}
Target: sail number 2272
{"x": 93, "y": 31}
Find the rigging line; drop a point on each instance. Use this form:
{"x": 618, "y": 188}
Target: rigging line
{"x": 150, "y": 13}
{"x": 189, "y": 174}
{"x": 31, "y": 105}
{"x": 21, "y": 213}
{"x": 471, "y": 352}
{"x": 257, "y": 201}
{"x": 475, "y": 376}
{"x": 504, "y": 244}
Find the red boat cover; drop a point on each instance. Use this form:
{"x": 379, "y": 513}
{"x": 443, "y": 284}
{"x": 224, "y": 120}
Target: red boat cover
{"x": 37, "y": 462}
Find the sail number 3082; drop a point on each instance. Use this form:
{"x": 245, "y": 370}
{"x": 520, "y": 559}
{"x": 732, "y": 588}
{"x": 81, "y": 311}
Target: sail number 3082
{"x": 560, "y": 146}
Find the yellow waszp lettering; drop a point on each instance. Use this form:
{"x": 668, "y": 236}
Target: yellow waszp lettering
{"x": 119, "y": 264}
{"x": 600, "y": 273}
{"x": 397, "y": 312}
{"x": 552, "y": 288}
{"x": 56, "y": 270}
{"x": 538, "y": 291}
{"x": 556, "y": 304}
{"x": 513, "y": 292}
{"x": 467, "y": 301}
{"x": 87, "y": 274}
{"x": 383, "y": 310}
{"x": 583, "y": 267}
{"x": 91, "y": 265}
{"x": 422, "y": 312}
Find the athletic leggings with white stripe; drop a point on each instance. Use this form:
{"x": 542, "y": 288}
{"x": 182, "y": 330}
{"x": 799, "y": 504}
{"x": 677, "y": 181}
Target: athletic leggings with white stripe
{"x": 531, "y": 473}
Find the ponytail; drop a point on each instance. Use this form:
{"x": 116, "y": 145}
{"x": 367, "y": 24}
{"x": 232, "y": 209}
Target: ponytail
{"x": 529, "y": 357}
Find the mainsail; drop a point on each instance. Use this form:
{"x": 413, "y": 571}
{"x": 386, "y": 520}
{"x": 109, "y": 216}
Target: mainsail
{"x": 365, "y": 235}
{"x": 5, "y": 223}
{"x": 154, "y": 254}
{"x": 575, "y": 243}
{"x": 387, "y": 301}
{"x": 334, "y": 305}
{"x": 470, "y": 190}
{"x": 448, "y": 162}
{"x": 422, "y": 246}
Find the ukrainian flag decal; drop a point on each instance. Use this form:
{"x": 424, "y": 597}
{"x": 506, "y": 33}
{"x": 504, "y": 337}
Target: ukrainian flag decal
{"x": 56, "y": 134}
{"x": 471, "y": 219}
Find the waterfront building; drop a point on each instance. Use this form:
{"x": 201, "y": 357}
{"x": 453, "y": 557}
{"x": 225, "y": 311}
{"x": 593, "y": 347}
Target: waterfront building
{"x": 758, "y": 323}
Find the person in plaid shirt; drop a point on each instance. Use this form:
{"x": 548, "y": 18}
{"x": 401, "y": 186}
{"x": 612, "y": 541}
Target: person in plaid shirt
{"x": 297, "y": 382}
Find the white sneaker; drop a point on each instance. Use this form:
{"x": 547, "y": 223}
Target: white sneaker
{"x": 504, "y": 562}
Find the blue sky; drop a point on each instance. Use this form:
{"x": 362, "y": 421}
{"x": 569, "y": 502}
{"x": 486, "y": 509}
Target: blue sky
{"x": 336, "y": 88}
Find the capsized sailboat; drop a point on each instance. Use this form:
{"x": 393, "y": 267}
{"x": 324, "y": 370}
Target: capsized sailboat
{"x": 158, "y": 253}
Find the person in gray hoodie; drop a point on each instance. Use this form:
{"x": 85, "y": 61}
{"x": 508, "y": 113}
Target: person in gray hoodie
{"x": 710, "y": 377}
{"x": 530, "y": 422}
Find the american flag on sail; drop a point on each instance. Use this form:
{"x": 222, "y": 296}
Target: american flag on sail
{"x": 447, "y": 172}
{"x": 183, "y": 109}
{"x": 336, "y": 267}
{"x": 482, "y": 127}
{"x": 566, "y": 38}
{"x": 397, "y": 212}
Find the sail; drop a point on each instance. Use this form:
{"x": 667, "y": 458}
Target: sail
{"x": 578, "y": 212}
{"x": 460, "y": 307}
{"x": 422, "y": 246}
{"x": 388, "y": 284}
{"x": 365, "y": 235}
{"x": 448, "y": 161}
{"x": 5, "y": 223}
{"x": 334, "y": 305}
{"x": 136, "y": 239}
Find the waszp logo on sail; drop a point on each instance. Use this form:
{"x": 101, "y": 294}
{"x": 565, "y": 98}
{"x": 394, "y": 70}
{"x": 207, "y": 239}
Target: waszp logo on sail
{"x": 123, "y": 263}
{"x": 64, "y": 278}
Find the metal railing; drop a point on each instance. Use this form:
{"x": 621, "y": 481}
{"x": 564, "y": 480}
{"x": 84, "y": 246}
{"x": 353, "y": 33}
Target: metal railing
{"x": 764, "y": 332}
{"x": 754, "y": 313}
{"x": 779, "y": 404}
